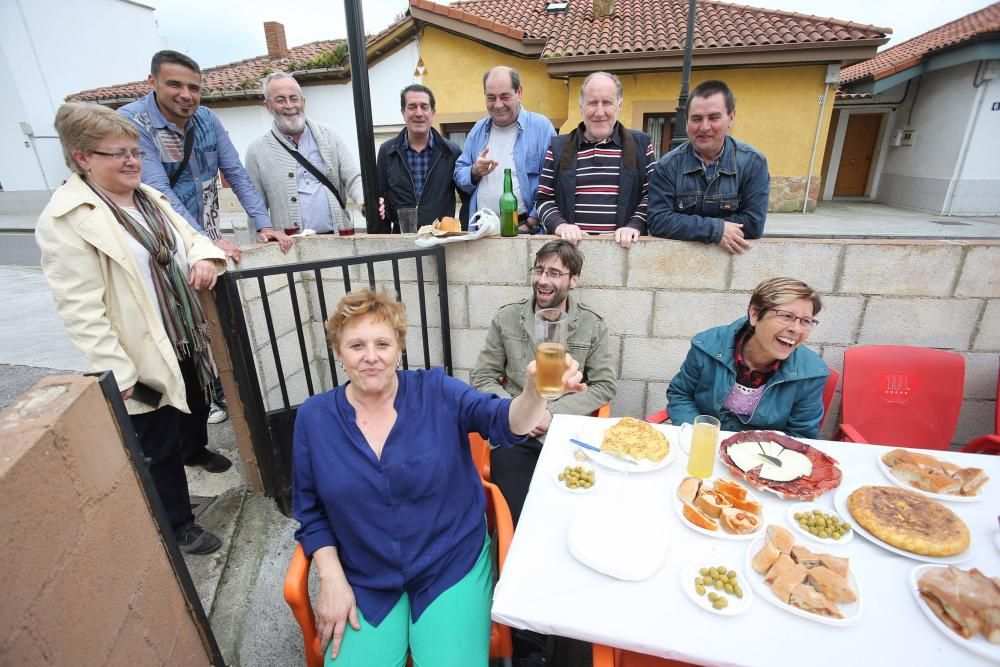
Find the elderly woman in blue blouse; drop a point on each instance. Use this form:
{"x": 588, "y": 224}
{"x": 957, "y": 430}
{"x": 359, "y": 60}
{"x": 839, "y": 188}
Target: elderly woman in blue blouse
{"x": 390, "y": 504}
{"x": 756, "y": 373}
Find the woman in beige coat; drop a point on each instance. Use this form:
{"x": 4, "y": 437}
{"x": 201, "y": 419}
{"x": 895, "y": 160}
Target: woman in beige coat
{"x": 122, "y": 267}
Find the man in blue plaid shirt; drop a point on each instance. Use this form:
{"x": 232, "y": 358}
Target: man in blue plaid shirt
{"x": 415, "y": 169}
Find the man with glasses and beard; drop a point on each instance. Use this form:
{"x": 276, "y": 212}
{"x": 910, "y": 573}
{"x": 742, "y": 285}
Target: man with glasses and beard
{"x": 303, "y": 169}
{"x": 510, "y": 345}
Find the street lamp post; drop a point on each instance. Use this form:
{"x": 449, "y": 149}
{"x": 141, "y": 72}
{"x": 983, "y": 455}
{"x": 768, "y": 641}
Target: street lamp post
{"x": 363, "y": 113}
{"x": 679, "y": 135}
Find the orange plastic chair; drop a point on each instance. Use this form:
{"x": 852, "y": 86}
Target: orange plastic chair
{"x": 481, "y": 448}
{"x": 499, "y": 523}
{"x": 829, "y": 389}
{"x": 901, "y": 396}
{"x": 605, "y": 656}
{"x": 988, "y": 444}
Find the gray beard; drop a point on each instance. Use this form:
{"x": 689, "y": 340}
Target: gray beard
{"x": 290, "y": 125}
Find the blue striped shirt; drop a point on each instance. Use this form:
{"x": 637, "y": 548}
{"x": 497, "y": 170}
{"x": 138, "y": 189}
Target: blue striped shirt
{"x": 419, "y": 163}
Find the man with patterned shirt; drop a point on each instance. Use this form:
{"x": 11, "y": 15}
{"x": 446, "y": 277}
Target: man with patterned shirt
{"x": 166, "y": 118}
{"x": 595, "y": 179}
{"x": 416, "y": 168}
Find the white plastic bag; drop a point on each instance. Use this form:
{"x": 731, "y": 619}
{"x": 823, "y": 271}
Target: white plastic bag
{"x": 489, "y": 225}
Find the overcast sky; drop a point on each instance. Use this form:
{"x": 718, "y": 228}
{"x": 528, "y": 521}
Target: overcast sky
{"x": 214, "y": 34}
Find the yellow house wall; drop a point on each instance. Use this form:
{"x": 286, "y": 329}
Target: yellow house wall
{"x": 777, "y": 108}
{"x": 454, "y": 71}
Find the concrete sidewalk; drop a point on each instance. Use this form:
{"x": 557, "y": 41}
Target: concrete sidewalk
{"x": 240, "y": 585}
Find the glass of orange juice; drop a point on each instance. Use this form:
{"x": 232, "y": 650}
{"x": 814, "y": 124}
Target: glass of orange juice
{"x": 550, "y": 351}
{"x": 704, "y": 441}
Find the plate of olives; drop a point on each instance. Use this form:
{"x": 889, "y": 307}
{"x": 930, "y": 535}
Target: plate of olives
{"x": 819, "y": 524}
{"x": 716, "y": 588}
{"x": 576, "y": 477}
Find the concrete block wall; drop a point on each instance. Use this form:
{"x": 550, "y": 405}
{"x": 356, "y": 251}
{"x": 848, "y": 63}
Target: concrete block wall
{"x": 656, "y": 295}
{"x": 85, "y": 577}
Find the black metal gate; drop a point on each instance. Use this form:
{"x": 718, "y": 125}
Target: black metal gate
{"x": 272, "y": 319}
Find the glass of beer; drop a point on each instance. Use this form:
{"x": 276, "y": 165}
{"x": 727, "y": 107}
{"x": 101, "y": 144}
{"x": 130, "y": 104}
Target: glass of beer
{"x": 550, "y": 351}
{"x": 704, "y": 441}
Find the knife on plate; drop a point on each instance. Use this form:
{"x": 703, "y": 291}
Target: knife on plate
{"x": 619, "y": 457}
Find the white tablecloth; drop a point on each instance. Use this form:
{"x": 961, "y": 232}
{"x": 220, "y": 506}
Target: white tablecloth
{"x": 544, "y": 588}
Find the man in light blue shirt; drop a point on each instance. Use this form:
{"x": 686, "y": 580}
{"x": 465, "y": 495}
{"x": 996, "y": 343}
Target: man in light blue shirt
{"x": 511, "y": 137}
{"x": 164, "y": 119}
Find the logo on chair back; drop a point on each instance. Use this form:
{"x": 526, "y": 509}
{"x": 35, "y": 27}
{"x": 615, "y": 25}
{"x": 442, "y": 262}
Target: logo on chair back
{"x": 897, "y": 386}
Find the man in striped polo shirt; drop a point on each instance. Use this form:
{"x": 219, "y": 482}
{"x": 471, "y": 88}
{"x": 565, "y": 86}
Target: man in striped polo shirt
{"x": 595, "y": 180}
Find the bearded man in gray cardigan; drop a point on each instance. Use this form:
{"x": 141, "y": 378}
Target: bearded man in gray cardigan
{"x": 295, "y": 197}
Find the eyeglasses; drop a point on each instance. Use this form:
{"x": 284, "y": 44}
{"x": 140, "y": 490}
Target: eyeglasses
{"x": 121, "y": 156}
{"x": 551, "y": 274}
{"x": 788, "y": 319}
{"x": 291, "y": 99}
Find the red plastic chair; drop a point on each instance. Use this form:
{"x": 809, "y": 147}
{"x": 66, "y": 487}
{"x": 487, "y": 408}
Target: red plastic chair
{"x": 500, "y": 524}
{"x": 901, "y": 396}
{"x": 988, "y": 444}
{"x": 481, "y": 448}
{"x": 605, "y": 656}
{"x": 829, "y": 389}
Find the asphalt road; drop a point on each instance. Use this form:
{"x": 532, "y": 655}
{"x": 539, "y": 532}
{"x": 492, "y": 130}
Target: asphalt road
{"x": 18, "y": 249}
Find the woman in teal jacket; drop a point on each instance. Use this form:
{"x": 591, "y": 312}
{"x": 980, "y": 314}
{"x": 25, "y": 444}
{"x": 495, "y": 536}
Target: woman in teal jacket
{"x": 756, "y": 373}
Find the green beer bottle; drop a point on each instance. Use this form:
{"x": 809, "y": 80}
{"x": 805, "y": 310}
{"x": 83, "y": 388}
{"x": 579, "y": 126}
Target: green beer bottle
{"x": 508, "y": 207}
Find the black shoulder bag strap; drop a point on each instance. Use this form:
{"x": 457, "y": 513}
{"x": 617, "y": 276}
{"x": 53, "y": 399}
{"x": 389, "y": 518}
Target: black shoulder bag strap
{"x": 311, "y": 168}
{"x": 188, "y": 145}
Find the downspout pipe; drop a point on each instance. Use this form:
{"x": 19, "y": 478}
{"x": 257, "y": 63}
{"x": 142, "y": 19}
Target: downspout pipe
{"x": 963, "y": 151}
{"x": 812, "y": 158}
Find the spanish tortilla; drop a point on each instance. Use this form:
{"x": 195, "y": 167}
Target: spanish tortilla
{"x": 909, "y": 521}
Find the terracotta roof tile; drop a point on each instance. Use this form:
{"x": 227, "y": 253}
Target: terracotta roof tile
{"x": 913, "y": 51}
{"x": 231, "y": 77}
{"x": 656, "y": 25}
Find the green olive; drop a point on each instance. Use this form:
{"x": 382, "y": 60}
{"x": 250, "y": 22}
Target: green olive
{"x": 700, "y": 590}
{"x": 718, "y": 584}
{"x": 713, "y": 597}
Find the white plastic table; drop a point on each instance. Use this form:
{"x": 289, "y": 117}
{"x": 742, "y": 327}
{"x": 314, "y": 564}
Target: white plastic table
{"x": 545, "y": 589}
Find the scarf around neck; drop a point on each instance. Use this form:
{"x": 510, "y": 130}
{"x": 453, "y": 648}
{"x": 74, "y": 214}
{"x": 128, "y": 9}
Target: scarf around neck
{"x": 179, "y": 306}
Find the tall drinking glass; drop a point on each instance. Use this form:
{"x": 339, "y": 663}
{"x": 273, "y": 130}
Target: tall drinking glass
{"x": 704, "y": 441}
{"x": 407, "y": 221}
{"x": 550, "y": 351}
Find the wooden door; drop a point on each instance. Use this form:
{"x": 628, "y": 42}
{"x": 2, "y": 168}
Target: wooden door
{"x": 856, "y": 156}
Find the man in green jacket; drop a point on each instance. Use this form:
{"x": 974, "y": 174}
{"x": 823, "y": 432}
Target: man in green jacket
{"x": 510, "y": 345}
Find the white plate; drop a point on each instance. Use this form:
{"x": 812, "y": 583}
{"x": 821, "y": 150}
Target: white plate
{"x": 809, "y": 507}
{"x": 736, "y": 605}
{"x": 594, "y": 436}
{"x": 977, "y": 644}
{"x": 851, "y": 612}
{"x": 582, "y": 464}
{"x": 840, "y": 502}
{"x": 721, "y": 533}
{"x": 624, "y": 541}
{"x": 948, "y": 498}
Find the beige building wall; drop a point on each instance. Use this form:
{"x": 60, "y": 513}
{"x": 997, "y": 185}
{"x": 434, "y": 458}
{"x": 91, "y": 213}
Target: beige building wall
{"x": 85, "y": 577}
{"x": 655, "y": 296}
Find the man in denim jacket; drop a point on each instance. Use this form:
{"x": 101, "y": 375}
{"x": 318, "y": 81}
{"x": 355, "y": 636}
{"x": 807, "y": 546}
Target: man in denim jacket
{"x": 711, "y": 188}
{"x": 511, "y": 137}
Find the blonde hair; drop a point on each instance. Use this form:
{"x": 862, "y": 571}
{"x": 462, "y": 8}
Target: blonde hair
{"x": 775, "y": 292}
{"x": 363, "y": 302}
{"x": 83, "y": 125}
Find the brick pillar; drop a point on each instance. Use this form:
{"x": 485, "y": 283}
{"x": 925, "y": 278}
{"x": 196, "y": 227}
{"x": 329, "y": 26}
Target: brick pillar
{"x": 274, "y": 34}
